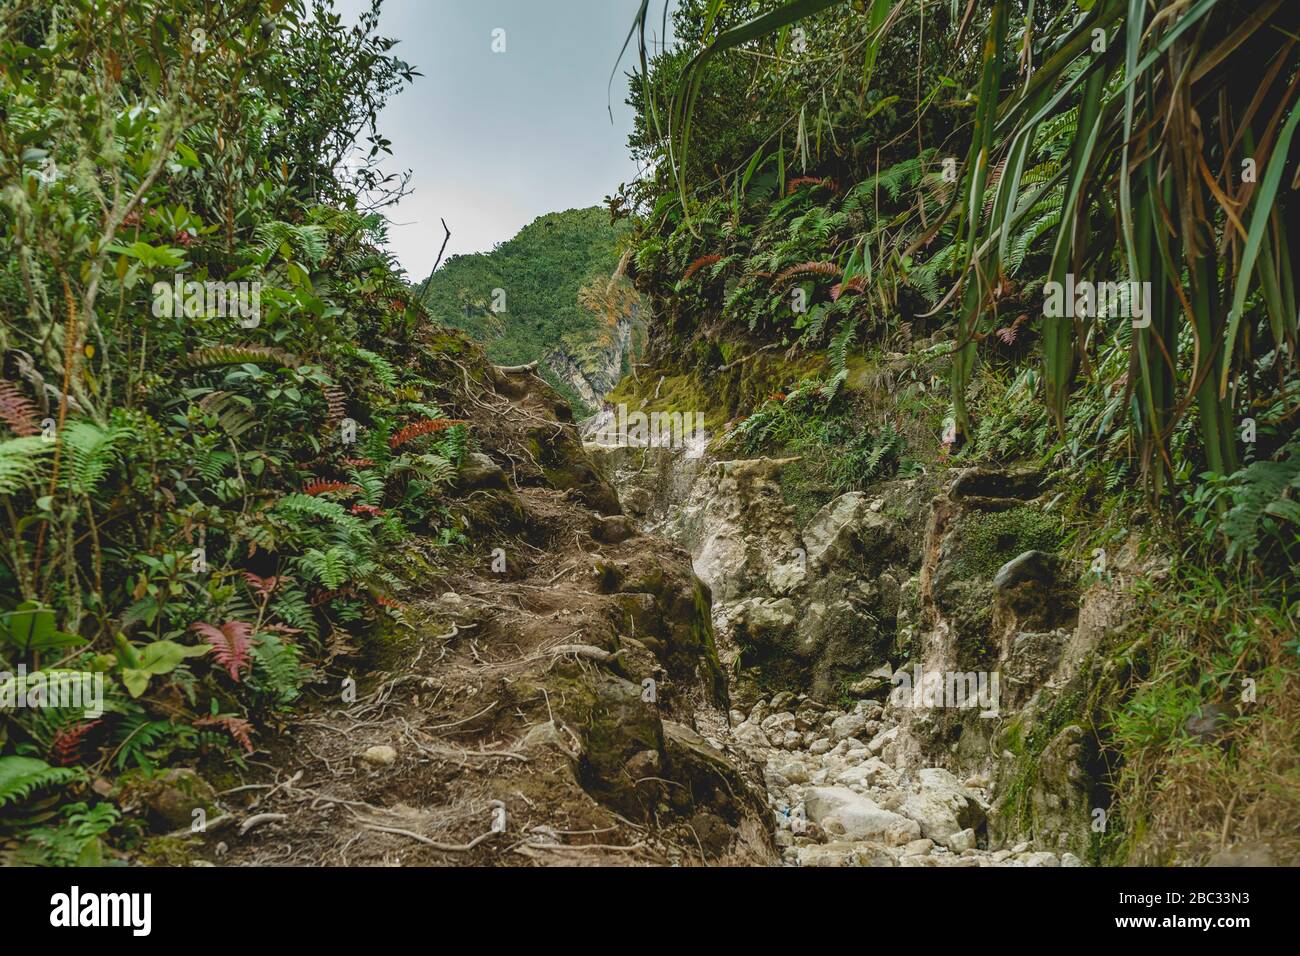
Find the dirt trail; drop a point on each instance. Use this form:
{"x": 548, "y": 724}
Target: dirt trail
{"x": 539, "y": 705}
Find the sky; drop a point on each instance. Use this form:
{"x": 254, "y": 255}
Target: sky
{"x": 495, "y": 139}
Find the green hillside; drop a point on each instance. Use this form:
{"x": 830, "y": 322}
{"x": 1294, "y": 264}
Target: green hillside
{"x": 544, "y": 271}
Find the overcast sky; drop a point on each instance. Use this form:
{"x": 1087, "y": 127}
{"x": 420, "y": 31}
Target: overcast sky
{"x": 495, "y": 140}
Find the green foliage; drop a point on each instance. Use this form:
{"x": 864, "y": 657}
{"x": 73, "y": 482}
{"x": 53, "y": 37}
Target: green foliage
{"x": 169, "y": 485}
{"x": 541, "y": 271}
{"x": 21, "y": 776}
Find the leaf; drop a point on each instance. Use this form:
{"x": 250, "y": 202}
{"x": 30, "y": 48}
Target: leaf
{"x": 232, "y": 645}
{"x": 160, "y": 657}
{"x": 30, "y": 628}
{"x": 19, "y": 776}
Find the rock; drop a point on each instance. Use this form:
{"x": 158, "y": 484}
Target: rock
{"x": 775, "y": 725}
{"x": 918, "y": 847}
{"x": 995, "y": 484}
{"x": 1037, "y": 567}
{"x": 820, "y": 746}
{"x": 962, "y": 841}
{"x": 751, "y": 736}
{"x": 875, "y": 682}
{"x": 791, "y": 740}
{"x": 380, "y": 755}
{"x": 1209, "y": 722}
{"x": 637, "y": 501}
{"x": 794, "y": 771}
{"x": 1243, "y": 854}
{"x": 1042, "y": 858}
{"x": 782, "y": 701}
{"x": 1019, "y": 848}
{"x": 882, "y": 740}
{"x": 860, "y": 817}
{"x": 849, "y": 725}
{"x": 1069, "y": 859}
{"x": 874, "y": 854}
{"x": 174, "y": 795}
{"x": 478, "y": 471}
{"x": 846, "y": 526}
{"x": 943, "y": 809}
{"x": 828, "y": 854}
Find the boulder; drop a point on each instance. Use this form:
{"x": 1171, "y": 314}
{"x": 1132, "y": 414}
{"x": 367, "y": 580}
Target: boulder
{"x": 859, "y": 816}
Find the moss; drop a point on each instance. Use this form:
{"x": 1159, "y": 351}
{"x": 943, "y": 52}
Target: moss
{"x": 989, "y": 539}
{"x": 168, "y": 851}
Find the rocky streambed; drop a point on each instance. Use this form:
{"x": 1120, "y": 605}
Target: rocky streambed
{"x": 840, "y": 801}
{"x": 823, "y": 619}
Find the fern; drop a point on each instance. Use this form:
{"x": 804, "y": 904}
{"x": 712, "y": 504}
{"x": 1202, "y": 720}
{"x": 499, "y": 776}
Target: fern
{"x": 16, "y": 410}
{"x": 276, "y": 664}
{"x": 383, "y": 370}
{"x": 232, "y": 645}
{"x": 290, "y": 606}
{"x": 21, "y": 776}
{"x": 218, "y": 355}
{"x": 1262, "y": 492}
{"x": 89, "y": 453}
{"x": 22, "y": 463}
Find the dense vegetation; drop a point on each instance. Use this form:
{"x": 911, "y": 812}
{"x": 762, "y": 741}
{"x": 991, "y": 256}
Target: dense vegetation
{"x": 552, "y": 286}
{"x": 907, "y": 181}
{"x": 196, "y": 496}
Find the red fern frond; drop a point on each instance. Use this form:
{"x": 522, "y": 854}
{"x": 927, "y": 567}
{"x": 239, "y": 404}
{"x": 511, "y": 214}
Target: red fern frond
{"x": 358, "y": 462}
{"x": 856, "y": 284}
{"x": 387, "y": 602}
{"x": 232, "y": 645}
{"x": 336, "y": 407}
{"x": 699, "y": 264}
{"x": 801, "y": 181}
{"x": 16, "y": 410}
{"x": 260, "y": 585}
{"x": 238, "y": 728}
{"x": 366, "y": 511}
{"x": 808, "y": 268}
{"x": 65, "y": 747}
{"x": 425, "y": 427}
{"x": 322, "y": 487}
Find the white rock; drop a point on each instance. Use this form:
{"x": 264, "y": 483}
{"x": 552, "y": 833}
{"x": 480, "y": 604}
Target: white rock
{"x": 847, "y": 726}
{"x": 379, "y": 756}
{"x": 962, "y": 841}
{"x": 751, "y": 736}
{"x": 1069, "y": 859}
{"x": 819, "y": 747}
{"x": 882, "y": 740}
{"x": 1042, "y": 858}
{"x": 860, "y": 816}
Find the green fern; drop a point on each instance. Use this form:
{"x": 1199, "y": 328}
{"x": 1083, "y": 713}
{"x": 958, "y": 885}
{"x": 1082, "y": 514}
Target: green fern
{"x": 22, "y": 462}
{"x": 21, "y": 776}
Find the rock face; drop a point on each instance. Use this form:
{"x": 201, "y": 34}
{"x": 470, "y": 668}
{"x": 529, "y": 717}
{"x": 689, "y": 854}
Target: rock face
{"x": 812, "y": 608}
{"x": 594, "y": 373}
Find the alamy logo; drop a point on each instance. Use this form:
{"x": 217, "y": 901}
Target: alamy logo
{"x": 1081, "y": 300}
{"x": 210, "y": 299}
{"x": 961, "y": 689}
{"x": 654, "y": 430}
{"x": 81, "y": 690}
{"x": 103, "y": 909}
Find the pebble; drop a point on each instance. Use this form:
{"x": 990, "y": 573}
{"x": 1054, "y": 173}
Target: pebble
{"x": 381, "y": 755}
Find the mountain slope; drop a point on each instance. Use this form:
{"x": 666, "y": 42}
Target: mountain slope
{"x": 549, "y": 294}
